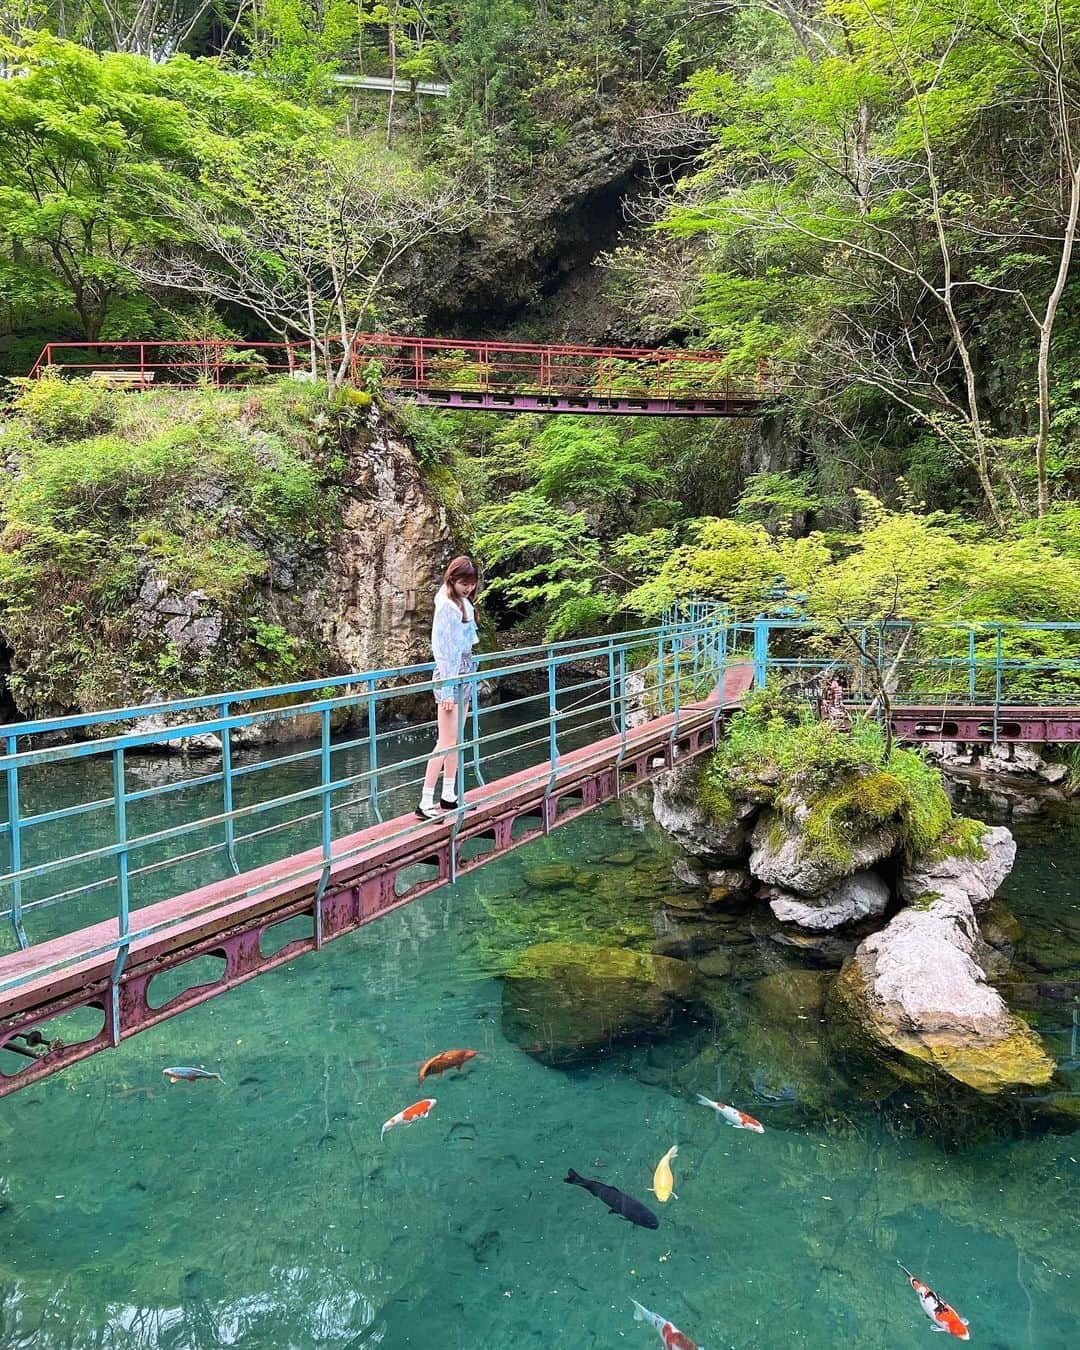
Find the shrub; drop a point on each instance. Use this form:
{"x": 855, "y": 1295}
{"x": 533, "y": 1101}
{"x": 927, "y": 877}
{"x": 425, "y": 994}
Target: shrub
{"x": 65, "y": 410}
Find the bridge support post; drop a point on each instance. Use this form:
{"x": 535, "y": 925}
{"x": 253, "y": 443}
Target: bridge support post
{"x": 373, "y": 751}
{"x": 227, "y": 790}
{"x": 761, "y": 651}
{"x": 16, "y": 848}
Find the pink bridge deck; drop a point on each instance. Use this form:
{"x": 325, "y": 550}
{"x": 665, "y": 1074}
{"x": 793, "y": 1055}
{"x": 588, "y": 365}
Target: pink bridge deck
{"x": 230, "y": 918}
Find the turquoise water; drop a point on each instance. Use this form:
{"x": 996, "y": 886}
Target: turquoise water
{"x": 266, "y": 1212}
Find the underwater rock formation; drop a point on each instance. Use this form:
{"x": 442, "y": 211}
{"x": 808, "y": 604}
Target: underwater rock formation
{"x": 563, "y": 1003}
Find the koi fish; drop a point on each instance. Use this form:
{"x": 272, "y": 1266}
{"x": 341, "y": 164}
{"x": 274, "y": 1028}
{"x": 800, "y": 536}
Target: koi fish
{"x": 672, "y": 1337}
{"x": 663, "y": 1183}
{"x": 943, "y": 1317}
{"x": 449, "y": 1059}
{"x": 182, "y": 1073}
{"x": 418, "y": 1111}
{"x": 739, "y": 1119}
{"x": 618, "y": 1202}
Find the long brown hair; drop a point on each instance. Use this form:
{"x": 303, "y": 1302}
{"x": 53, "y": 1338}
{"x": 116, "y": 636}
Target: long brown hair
{"x": 461, "y": 569}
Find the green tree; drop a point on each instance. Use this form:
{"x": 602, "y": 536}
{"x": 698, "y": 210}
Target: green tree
{"x": 89, "y": 147}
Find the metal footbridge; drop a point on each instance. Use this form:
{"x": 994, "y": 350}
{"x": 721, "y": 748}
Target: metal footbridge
{"x": 133, "y": 888}
{"x": 511, "y": 377}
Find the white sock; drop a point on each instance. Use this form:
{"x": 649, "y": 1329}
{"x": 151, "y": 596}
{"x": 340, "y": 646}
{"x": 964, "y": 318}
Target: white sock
{"x": 427, "y": 796}
{"x": 449, "y": 790}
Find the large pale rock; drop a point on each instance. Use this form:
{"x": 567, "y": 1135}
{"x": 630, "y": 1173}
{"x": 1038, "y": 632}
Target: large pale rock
{"x": 861, "y": 896}
{"x": 919, "y": 999}
{"x": 564, "y": 1004}
{"x": 387, "y": 561}
{"x": 975, "y": 878}
{"x": 677, "y": 809}
{"x": 779, "y": 856}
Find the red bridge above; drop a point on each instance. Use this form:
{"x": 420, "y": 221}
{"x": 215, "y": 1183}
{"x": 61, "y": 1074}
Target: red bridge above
{"x": 448, "y": 373}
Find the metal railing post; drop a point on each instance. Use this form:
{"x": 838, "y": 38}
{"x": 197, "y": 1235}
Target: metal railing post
{"x": 124, "y": 915}
{"x": 675, "y": 724}
{"x": 622, "y": 722}
{"x": 971, "y": 665}
{"x": 477, "y": 772}
{"x": 16, "y": 848}
{"x": 373, "y": 751}
{"x": 997, "y": 682}
{"x": 612, "y": 713}
{"x": 660, "y": 672}
{"x": 324, "y": 822}
{"x": 459, "y": 777}
{"x": 553, "y": 738}
{"x": 227, "y": 790}
{"x": 761, "y": 651}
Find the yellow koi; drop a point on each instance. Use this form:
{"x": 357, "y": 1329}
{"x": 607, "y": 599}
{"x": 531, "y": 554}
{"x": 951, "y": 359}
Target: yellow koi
{"x": 663, "y": 1183}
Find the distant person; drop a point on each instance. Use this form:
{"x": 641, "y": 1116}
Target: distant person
{"x": 453, "y": 636}
{"x": 832, "y": 705}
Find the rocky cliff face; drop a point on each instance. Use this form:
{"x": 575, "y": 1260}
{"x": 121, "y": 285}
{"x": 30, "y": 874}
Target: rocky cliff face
{"x": 387, "y": 559}
{"x": 243, "y": 539}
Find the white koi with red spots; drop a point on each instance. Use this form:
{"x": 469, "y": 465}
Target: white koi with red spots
{"x": 673, "y": 1338}
{"x": 940, "y": 1314}
{"x": 418, "y": 1111}
{"x": 739, "y": 1120}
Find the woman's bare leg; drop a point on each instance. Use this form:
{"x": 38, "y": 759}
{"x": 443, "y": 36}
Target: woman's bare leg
{"x": 442, "y": 763}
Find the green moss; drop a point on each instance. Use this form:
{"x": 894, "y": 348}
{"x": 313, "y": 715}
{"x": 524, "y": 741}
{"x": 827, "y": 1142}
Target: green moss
{"x": 962, "y": 838}
{"x": 715, "y": 801}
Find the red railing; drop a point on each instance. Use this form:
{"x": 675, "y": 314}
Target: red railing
{"x": 467, "y": 369}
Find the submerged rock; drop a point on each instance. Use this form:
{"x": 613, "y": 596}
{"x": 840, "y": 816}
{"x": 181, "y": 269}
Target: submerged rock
{"x": 917, "y": 999}
{"x": 563, "y": 1003}
{"x": 861, "y": 896}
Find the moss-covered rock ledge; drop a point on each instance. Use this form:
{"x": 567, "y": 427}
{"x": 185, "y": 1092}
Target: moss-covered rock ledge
{"x": 177, "y": 542}
{"x": 839, "y": 835}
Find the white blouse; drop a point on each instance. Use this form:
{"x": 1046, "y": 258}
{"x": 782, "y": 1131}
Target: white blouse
{"x": 452, "y": 641}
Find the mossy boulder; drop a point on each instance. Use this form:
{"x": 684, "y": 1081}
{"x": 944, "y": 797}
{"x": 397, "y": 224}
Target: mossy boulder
{"x": 914, "y": 1000}
{"x": 565, "y": 1004}
{"x": 792, "y": 849}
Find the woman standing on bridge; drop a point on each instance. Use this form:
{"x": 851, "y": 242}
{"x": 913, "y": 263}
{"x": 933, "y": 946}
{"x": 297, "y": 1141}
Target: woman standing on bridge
{"x": 453, "y": 636}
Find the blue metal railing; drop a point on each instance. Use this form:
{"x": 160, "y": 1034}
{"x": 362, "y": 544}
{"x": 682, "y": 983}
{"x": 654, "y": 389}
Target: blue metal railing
{"x": 111, "y": 845}
{"x": 944, "y": 662}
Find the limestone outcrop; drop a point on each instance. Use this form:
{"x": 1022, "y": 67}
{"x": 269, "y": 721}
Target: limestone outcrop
{"x": 386, "y": 561}
{"x": 916, "y": 997}
{"x": 863, "y": 895}
{"x": 781, "y": 856}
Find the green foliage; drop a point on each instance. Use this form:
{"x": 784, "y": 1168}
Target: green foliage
{"x": 775, "y": 498}
{"x": 90, "y": 150}
{"x": 190, "y": 497}
{"x": 65, "y": 410}
{"x": 961, "y": 839}
{"x": 776, "y": 750}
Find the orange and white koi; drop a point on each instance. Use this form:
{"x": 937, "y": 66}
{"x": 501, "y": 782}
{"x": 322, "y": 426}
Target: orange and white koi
{"x": 739, "y": 1119}
{"x": 943, "y": 1317}
{"x": 449, "y": 1059}
{"x": 672, "y": 1337}
{"x": 663, "y": 1183}
{"x": 418, "y": 1111}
